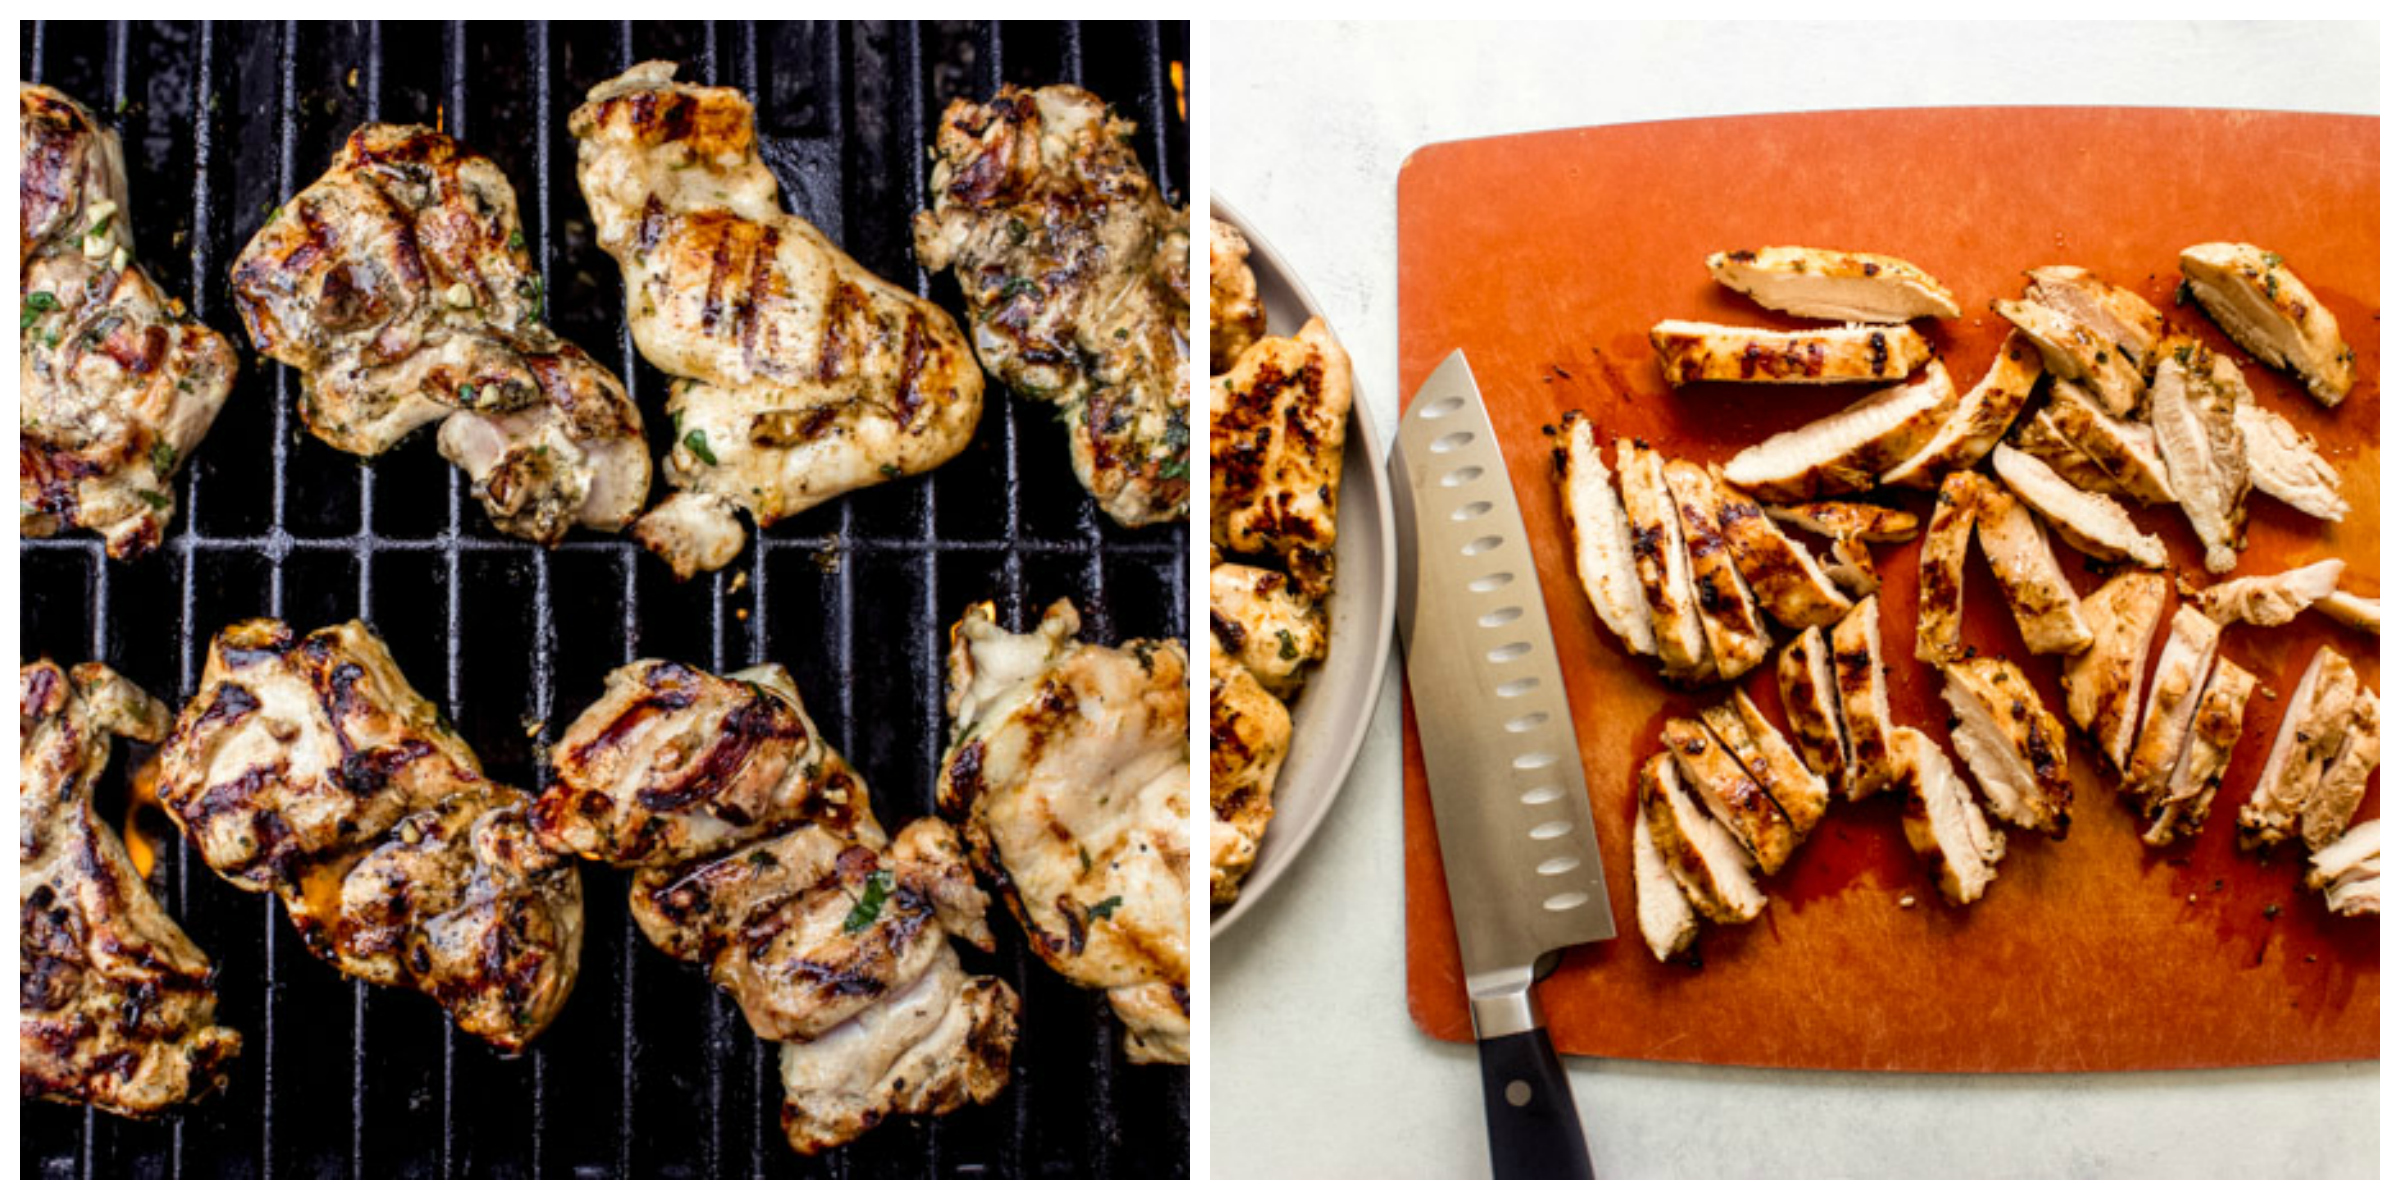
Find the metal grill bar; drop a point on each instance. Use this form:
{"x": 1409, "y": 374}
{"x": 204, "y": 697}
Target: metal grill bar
{"x": 856, "y": 597}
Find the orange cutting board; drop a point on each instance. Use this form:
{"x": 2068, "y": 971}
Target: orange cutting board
{"x": 1547, "y": 257}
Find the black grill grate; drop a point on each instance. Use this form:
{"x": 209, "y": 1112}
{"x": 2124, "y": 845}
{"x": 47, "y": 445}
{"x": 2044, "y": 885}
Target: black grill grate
{"x": 649, "y": 1071}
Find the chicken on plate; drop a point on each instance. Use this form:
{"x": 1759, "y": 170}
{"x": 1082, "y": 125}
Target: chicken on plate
{"x": 1235, "y": 317}
{"x": 1278, "y": 423}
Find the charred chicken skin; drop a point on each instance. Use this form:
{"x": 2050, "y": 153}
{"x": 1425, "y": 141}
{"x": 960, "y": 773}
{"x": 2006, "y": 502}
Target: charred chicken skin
{"x": 1077, "y": 280}
{"x": 116, "y": 383}
{"x": 116, "y": 1008}
{"x": 399, "y": 286}
{"x": 759, "y": 856}
{"x": 1071, "y": 774}
{"x": 307, "y": 766}
{"x": 799, "y": 375}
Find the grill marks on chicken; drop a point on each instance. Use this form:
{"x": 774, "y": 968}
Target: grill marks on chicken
{"x": 759, "y": 856}
{"x": 798, "y": 374}
{"x": 2266, "y": 308}
{"x": 2216, "y": 727}
{"x": 2104, "y": 681}
{"x": 2089, "y": 522}
{"x": 115, "y": 1006}
{"x": 2090, "y": 332}
{"x": 2016, "y": 750}
{"x": 1071, "y": 775}
{"x": 2319, "y": 716}
{"x": 1982, "y": 416}
{"x": 1249, "y": 733}
{"x": 2038, "y": 594}
{"x": 307, "y": 766}
{"x": 400, "y": 287}
{"x": 1697, "y": 352}
{"x": 1076, "y": 280}
{"x": 1942, "y": 566}
{"x": 1838, "y": 285}
{"x": 117, "y": 384}
{"x": 1851, "y": 450}
{"x": 1278, "y": 423}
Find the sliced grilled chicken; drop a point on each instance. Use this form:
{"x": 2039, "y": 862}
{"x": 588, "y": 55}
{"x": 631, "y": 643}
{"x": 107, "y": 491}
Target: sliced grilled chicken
{"x": 2125, "y": 319}
{"x": 1754, "y": 742}
{"x": 1850, "y": 450}
{"x": 2124, "y": 448}
{"x": 1235, "y": 317}
{"x": 2350, "y": 871}
{"x": 2016, "y": 750}
{"x": 2037, "y": 433}
{"x": 2305, "y": 743}
{"x": 115, "y": 1004}
{"x": 1732, "y": 796}
{"x": 1813, "y": 703}
{"x": 1838, "y": 285}
{"x": 2094, "y": 524}
{"x": 1787, "y": 581}
{"x": 1277, "y": 425}
{"x": 2271, "y": 599}
{"x": 1703, "y": 857}
{"x": 1249, "y": 733}
{"x": 2344, "y": 785}
{"x": 1850, "y": 526}
{"x": 2266, "y": 308}
{"x": 1662, "y": 564}
{"x": 2193, "y": 410}
{"x": 2038, "y": 593}
{"x": 2104, "y": 682}
{"x": 1942, "y": 566}
{"x": 1272, "y": 630}
{"x": 1942, "y": 823}
{"x": 2216, "y": 727}
{"x": 2283, "y": 462}
{"x": 1697, "y": 352}
{"x": 1866, "y": 706}
{"x": 1737, "y": 638}
{"x": 1669, "y": 924}
{"x": 1604, "y": 558}
{"x": 1982, "y": 415}
{"x": 2361, "y": 612}
{"x": 2088, "y": 331}
{"x": 2175, "y": 685}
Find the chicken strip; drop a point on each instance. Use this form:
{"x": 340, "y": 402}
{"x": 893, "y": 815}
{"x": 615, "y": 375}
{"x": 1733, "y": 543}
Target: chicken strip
{"x": 2016, "y": 750}
{"x": 1249, "y": 732}
{"x": 1838, "y": 285}
{"x": 2175, "y": 686}
{"x": 1982, "y": 415}
{"x": 1277, "y": 426}
{"x": 1812, "y": 703}
{"x": 2283, "y": 462}
{"x": 2038, "y": 593}
{"x": 307, "y": 766}
{"x": 1939, "y": 817}
{"x": 1704, "y": 859}
{"x": 1603, "y": 540}
{"x": 1942, "y": 566}
{"x": 2266, "y": 308}
{"x": 2193, "y": 408}
{"x": 1071, "y": 775}
{"x": 116, "y": 1008}
{"x": 1662, "y": 564}
{"x": 2344, "y": 785}
{"x": 1755, "y": 743}
{"x": 2094, "y": 524}
{"x": 1235, "y": 317}
{"x": 2089, "y": 331}
{"x": 1866, "y": 706}
{"x": 1850, "y": 526}
{"x": 2350, "y": 871}
{"x": 1731, "y": 795}
{"x": 2361, "y": 612}
{"x": 1669, "y": 925}
{"x": 2037, "y": 433}
{"x": 2104, "y": 682}
{"x": 2271, "y": 599}
{"x": 1850, "y": 450}
{"x": 1077, "y": 281}
{"x": 1737, "y": 638}
{"x": 400, "y": 287}
{"x": 2216, "y": 727}
{"x": 2126, "y": 449}
{"x": 798, "y": 375}
{"x": 1789, "y": 584}
{"x": 116, "y": 385}
{"x": 1273, "y": 631}
{"x": 1697, "y": 352}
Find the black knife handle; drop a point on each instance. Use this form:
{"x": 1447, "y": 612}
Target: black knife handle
{"x": 1529, "y": 1111}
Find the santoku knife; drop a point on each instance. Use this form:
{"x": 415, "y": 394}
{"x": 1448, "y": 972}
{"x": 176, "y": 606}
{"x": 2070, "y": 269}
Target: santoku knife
{"x": 1509, "y": 807}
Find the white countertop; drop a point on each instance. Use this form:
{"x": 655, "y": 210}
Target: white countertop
{"x": 1316, "y": 1069}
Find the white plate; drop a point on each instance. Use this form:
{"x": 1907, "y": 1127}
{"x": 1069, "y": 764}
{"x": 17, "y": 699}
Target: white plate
{"x": 1330, "y": 718}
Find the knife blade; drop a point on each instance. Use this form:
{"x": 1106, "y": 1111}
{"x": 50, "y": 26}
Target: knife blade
{"x": 1510, "y": 811}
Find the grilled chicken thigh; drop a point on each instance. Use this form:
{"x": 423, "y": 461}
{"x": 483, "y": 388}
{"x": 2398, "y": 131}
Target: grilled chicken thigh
{"x": 2193, "y": 409}
{"x": 1737, "y": 638}
{"x": 1277, "y": 425}
{"x": 799, "y": 375}
{"x": 116, "y": 1007}
{"x": 1866, "y": 704}
{"x": 2089, "y": 331}
{"x": 1249, "y": 732}
{"x": 1732, "y": 796}
{"x": 2315, "y": 722}
{"x": 1939, "y": 817}
{"x": 2216, "y": 727}
{"x": 1942, "y": 566}
{"x": 759, "y": 856}
{"x": 1669, "y": 924}
{"x": 1812, "y": 702}
{"x": 1077, "y": 283}
{"x": 2283, "y": 462}
{"x": 2037, "y": 591}
{"x": 116, "y": 385}
{"x": 1788, "y": 582}
{"x": 1703, "y": 857}
{"x": 1264, "y": 622}
{"x": 1982, "y": 416}
{"x": 2350, "y": 871}
{"x": 2037, "y": 433}
{"x": 1071, "y": 775}
{"x": 307, "y": 766}
{"x": 2092, "y": 523}
{"x": 2016, "y": 750}
{"x": 1235, "y": 317}
{"x": 2104, "y": 682}
{"x": 1755, "y": 743}
{"x": 1838, "y": 285}
{"x": 1850, "y": 450}
{"x": 2266, "y": 308}
{"x": 1662, "y": 564}
{"x": 2271, "y": 599}
{"x": 1697, "y": 352}
{"x": 1603, "y": 541}
{"x": 1851, "y": 526}
{"x": 399, "y": 286}
{"x": 2175, "y": 686}
{"x": 2124, "y": 449}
